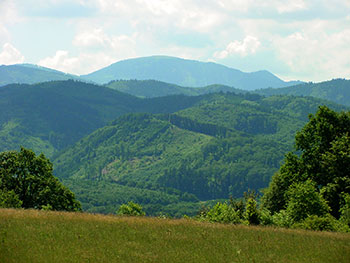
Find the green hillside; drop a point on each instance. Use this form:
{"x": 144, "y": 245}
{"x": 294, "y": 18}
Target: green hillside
{"x": 49, "y": 116}
{"x": 154, "y": 88}
{"x": 186, "y": 73}
{"x": 222, "y": 146}
{"x": 30, "y": 74}
{"x": 38, "y": 236}
{"x": 336, "y": 90}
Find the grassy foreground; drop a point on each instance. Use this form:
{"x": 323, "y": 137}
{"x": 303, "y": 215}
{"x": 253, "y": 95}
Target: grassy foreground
{"x": 39, "y": 236}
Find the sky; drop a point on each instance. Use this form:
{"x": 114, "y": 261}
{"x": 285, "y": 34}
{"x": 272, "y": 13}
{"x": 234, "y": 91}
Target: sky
{"x": 305, "y": 40}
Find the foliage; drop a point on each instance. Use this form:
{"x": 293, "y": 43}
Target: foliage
{"x": 27, "y": 181}
{"x": 321, "y": 223}
{"x": 131, "y": 209}
{"x": 324, "y": 161}
{"x": 345, "y": 210}
{"x": 282, "y": 219}
{"x": 48, "y": 117}
{"x": 9, "y": 199}
{"x": 266, "y": 218}
{"x": 206, "y": 152}
{"x": 304, "y": 200}
{"x": 251, "y": 212}
{"x": 223, "y": 213}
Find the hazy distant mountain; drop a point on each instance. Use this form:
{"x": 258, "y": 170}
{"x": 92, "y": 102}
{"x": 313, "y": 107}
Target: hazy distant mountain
{"x": 336, "y": 90}
{"x": 155, "y": 88}
{"x": 30, "y": 74}
{"x": 186, "y": 73}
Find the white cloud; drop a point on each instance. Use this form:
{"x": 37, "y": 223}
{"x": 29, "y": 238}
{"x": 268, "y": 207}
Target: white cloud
{"x": 315, "y": 55}
{"x": 108, "y": 30}
{"x": 290, "y": 6}
{"x": 90, "y": 38}
{"x": 60, "y": 61}
{"x": 243, "y": 48}
{"x": 96, "y": 38}
{"x": 10, "y": 55}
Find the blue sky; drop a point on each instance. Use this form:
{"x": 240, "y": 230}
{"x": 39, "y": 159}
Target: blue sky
{"x": 301, "y": 39}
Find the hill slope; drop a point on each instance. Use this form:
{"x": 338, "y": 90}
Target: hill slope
{"x": 221, "y": 146}
{"x": 30, "y": 74}
{"x": 337, "y": 90}
{"x": 50, "y": 116}
{"x": 154, "y": 88}
{"x": 187, "y": 73}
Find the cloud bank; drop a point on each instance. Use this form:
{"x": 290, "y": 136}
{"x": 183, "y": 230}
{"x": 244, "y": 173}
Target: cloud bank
{"x": 299, "y": 39}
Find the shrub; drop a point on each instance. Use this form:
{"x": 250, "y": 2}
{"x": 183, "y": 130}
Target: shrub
{"x": 266, "y": 218}
{"x": 223, "y": 213}
{"x": 282, "y": 219}
{"x": 319, "y": 223}
{"x": 251, "y": 212}
{"x": 304, "y": 200}
{"x": 131, "y": 209}
{"x": 345, "y": 210}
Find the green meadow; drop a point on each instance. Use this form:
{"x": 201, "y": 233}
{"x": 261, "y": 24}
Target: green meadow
{"x": 41, "y": 236}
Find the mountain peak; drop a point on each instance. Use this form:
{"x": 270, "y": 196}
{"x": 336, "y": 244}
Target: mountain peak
{"x": 184, "y": 72}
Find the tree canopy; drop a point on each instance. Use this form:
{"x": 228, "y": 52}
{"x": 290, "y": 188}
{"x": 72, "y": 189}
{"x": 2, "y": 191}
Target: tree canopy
{"x": 321, "y": 161}
{"x": 27, "y": 181}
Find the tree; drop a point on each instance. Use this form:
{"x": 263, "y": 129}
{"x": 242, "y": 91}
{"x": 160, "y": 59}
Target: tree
{"x": 251, "y": 212}
{"x": 27, "y": 181}
{"x": 322, "y": 155}
{"x": 304, "y": 201}
{"x": 131, "y": 209}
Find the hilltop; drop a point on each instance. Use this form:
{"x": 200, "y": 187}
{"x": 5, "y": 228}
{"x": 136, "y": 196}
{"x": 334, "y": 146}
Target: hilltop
{"x": 30, "y": 74}
{"x": 186, "y": 73}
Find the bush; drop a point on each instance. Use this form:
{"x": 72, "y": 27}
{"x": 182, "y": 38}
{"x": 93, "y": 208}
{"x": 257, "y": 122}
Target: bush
{"x": 131, "y": 209}
{"x": 251, "y": 212}
{"x": 282, "y": 219}
{"x": 318, "y": 223}
{"x": 266, "y": 218}
{"x": 304, "y": 200}
{"x": 223, "y": 213}
{"x": 345, "y": 210}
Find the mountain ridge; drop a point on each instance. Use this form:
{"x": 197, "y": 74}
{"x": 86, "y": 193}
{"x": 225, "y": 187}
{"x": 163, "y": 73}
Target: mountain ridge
{"x": 336, "y": 90}
{"x": 30, "y": 74}
{"x": 184, "y": 72}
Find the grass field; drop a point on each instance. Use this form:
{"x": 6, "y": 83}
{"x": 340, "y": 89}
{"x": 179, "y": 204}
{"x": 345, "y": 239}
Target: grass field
{"x": 39, "y": 236}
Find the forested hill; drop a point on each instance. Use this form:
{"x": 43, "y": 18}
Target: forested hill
{"x": 221, "y": 146}
{"x": 49, "y": 116}
{"x": 154, "y": 88}
{"x": 186, "y": 73}
{"x": 30, "y": 74}
{"x": 336, "y": 90}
